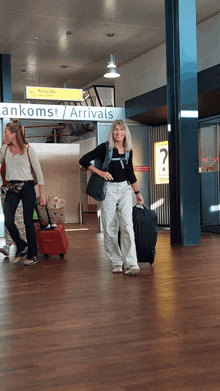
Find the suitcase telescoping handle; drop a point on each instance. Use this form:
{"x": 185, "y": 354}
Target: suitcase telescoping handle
{"x": 41, "y": 225}
{"x": 38, "y": 215}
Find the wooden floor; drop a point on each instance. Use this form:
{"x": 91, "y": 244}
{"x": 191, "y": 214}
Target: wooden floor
{"x": 76, "y": 326}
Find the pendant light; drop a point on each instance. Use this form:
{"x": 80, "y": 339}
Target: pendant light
{"x": 111, "y": 68}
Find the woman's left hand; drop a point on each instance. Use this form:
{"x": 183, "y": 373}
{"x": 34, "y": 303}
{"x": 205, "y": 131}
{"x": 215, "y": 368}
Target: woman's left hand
{"x": 42, "y": 200}
{"x": 140, "y": 199}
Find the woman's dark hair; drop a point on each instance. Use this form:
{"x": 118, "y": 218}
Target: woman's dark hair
{"x": 16, "y": 127}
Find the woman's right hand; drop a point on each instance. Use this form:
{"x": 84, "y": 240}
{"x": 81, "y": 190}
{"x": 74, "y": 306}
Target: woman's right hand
{"x": 43, "y": 200}
{"x": 106, "y": 175}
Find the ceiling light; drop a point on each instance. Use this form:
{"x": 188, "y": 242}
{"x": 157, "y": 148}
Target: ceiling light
{"x": 112, "y": 71}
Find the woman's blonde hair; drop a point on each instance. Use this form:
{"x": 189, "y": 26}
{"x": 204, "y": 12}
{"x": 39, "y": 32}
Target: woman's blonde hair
{"x": 127, "y": 140}
{"x": 16, "y": 127}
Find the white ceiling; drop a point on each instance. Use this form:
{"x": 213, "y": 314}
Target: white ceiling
{"x": 34, "y": 32}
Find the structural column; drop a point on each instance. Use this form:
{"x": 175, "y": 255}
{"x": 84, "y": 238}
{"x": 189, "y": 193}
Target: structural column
{"x": 6, "y": 96}
{"x": 5, "y": 64}
{"x": 5, "y": 86}
{"x": 182, "y": 121}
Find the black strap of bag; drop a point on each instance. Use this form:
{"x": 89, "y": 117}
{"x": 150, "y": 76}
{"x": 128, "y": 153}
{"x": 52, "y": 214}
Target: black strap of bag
{"x": 32, "y": 170}
{"x": 103, "y": 166}
{"x": 123, "y": 160}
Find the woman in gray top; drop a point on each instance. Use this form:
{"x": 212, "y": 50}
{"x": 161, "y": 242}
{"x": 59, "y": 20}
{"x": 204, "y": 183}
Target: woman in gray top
{"x": 21, "y": 161}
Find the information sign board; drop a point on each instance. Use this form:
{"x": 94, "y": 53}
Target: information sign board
{"x": 61, "y": 94}
{"x": 161, "y": 163}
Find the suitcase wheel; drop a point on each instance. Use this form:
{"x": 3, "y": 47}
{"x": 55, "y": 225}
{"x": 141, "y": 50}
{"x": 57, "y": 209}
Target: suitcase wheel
{"x": 61, "y": 255}
{"x": 46, "y": 256}
{"x": 151, "y": 261}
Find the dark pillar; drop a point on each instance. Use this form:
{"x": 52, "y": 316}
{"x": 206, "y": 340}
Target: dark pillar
{"x": 5, "y": 69}
{"x": 6, "y": 96}
{"x": 182, "y": 121}
{"x": 5, "y": 86}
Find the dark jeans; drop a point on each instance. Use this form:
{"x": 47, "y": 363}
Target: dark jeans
{"x": 28, "y": 197}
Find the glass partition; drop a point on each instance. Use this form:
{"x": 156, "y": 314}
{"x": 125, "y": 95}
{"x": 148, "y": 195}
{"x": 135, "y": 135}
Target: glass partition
{"x": 103, "y": 96}
{"x": 209, "y": 148}
{"x": 209, "y": 171}
{"x": 106, "y": 95}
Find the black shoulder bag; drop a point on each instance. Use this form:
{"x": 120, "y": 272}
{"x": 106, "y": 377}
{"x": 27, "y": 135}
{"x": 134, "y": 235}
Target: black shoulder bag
{"x": 96, "y": 184}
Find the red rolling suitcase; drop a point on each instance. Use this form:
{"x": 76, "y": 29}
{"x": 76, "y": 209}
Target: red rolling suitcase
{"x": 51, "y": 240}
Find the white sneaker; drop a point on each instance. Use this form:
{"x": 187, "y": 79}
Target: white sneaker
{"x": 20, "y": 256}
{"x": 5, "y": 250}
{"x": 133, "y": 269}
{"x": 117, "y": 269}
{"x": 13, "y": 250}
{"x": 30, "y": 261}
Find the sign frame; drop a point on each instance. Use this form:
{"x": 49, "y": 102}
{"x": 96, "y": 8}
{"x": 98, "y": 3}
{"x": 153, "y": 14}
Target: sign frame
{"x": 61, "y": 112}
{"x": 161, "y": 163}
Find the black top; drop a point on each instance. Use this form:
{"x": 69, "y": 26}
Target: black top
{"x": 115, "y": 168}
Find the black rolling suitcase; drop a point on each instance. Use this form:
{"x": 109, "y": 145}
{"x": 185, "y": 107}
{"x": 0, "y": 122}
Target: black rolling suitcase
{"x": 145, "y": 231}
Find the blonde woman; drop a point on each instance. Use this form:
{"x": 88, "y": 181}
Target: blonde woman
{"x": 19, "y": 220}
{"x": 16, "y": 154}
{"x": 117, "y": 205}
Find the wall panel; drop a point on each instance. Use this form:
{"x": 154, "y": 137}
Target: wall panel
{"x": 60, "y": 166}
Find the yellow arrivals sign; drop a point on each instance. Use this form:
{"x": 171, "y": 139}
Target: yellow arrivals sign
{"x": 46, "y": 93}
{"x": 161, "y": 163}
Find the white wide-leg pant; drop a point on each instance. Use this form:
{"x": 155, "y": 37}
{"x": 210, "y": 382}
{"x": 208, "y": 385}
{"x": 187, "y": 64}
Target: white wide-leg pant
{"x": 116, "y": 210}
